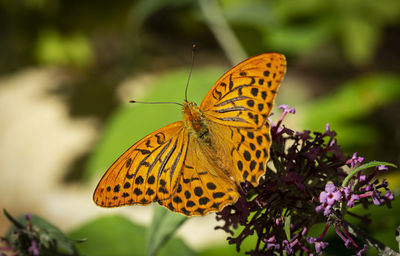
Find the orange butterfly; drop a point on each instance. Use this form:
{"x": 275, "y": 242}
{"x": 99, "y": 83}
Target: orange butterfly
{"x": 195, "y": 166}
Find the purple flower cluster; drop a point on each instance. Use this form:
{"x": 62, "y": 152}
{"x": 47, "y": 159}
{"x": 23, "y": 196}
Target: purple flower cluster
{"x": 363, "y": 192}
{"x": 23, "y": 240}
{"x": 308, "y": 181}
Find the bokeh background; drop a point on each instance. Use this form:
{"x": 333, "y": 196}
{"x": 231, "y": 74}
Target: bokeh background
{"x": 69, "y": 68}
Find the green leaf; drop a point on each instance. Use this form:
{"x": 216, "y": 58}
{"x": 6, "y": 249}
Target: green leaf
{"x": 118, "y": 236}
{"x": 360, "y": 39}
{"x": 176, "y": 246}
{"x": 287, "y": 227}
{"x": 224, "y": 249}
{"x": 298, "y": 39}
{"x": 163, "y": 226}
{"x": 111, "y": 235}
{"x": 54, "y": 48}
{"x": 363, "y": 167}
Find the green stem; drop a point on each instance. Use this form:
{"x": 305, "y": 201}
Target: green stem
{"x": 222, "y": 31}
{"x": 362, "y": 167}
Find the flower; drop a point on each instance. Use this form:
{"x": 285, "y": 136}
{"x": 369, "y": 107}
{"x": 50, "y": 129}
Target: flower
{"x": 287, "y": 109}
{"x": 299, "y": 159}
{"x": 362, "y": 251}
{"x": 389, "y": 195}
{"x": 330, "y": 195}
{"x": 305, "y": 176}
{"x": 328, "y": 198}
{"x": 271, "y": 243}
{"x": 383, "y": 168}
{"x": 355, "y": 159}
{"x": 350, "y": 196}
{"x": 319, "y": 245}
{"x": 34, "y": 249}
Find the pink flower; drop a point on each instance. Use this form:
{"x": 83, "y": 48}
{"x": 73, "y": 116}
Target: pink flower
{"x": 355, "y": 160}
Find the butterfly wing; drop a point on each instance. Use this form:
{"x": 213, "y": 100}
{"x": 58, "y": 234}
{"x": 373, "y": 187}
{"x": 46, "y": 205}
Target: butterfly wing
{"x": 237, "y": 107}
{"x": 170, "y": 167}
{"x": 247, "y": 150}
{"x": 146, "y": 172}
{"x": 203, "y": 186}
{"x": 179, "y": 171}
{"x": 243, "y": 96}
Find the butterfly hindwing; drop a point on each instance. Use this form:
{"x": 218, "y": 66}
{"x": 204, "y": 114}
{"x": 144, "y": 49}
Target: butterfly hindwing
{"x": 146, "y": 172}
{"x": 243, "y": 96}
{"x": 203, "y": 187}
{"x": 247, "y": 150}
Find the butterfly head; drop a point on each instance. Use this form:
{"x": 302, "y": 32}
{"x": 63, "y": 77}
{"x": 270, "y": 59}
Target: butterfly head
{"x": 193, "y": 117}
{"x": 191, "y": 112}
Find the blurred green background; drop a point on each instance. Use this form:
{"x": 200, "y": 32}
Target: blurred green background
{"x": 68, "y": 69}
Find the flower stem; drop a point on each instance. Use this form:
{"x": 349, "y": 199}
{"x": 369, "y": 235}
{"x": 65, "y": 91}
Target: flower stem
{"x": 362, "y": 167}
{"x": 355, "y": 231}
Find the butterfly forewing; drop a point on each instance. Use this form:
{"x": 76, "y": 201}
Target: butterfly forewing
{"x": 243, "y": 96}
{"x": 146, "y": 172}
{"x": 237, "y": 108}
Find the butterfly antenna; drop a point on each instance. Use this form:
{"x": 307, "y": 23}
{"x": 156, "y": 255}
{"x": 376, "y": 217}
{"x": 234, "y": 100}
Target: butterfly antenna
{"x": 190, "y": 72}
{"x": 155, "y": 102}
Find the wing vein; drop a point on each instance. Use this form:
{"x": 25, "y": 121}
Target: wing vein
{"x": 231, "y": 100}
{"x": 234, "y": 108}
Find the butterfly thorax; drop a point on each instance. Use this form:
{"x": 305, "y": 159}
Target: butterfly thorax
{"x": 194, "y": 120}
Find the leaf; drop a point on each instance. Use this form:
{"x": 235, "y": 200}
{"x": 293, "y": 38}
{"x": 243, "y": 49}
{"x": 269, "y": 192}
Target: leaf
{"x": 298, "y": 39}
{"x": 176, "y": 246}
{"x": 287, "y": 227}
{"x": 54, "y": 48}
{"x": 118, "y": 236}
{"x": 163, "y": 226}
{"x": 360, "y": 39}
{"x": 111, "y": 235}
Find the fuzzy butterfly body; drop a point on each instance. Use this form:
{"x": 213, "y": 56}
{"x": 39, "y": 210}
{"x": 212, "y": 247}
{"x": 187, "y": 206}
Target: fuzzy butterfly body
{"x": 195, "y": 166}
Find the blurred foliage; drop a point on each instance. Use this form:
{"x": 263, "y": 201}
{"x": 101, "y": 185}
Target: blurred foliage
{"x": 302, "y": 27}
{"x": 348, "y": 109}
{"x": 53, "y": 49}
{"x": 118, "y": 236}
{"x": 163, "y": 226}
{"x": 354, "y": 29}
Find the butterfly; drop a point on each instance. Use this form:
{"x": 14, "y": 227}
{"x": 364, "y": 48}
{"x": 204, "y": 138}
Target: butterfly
{"x": 196, "y": 165}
